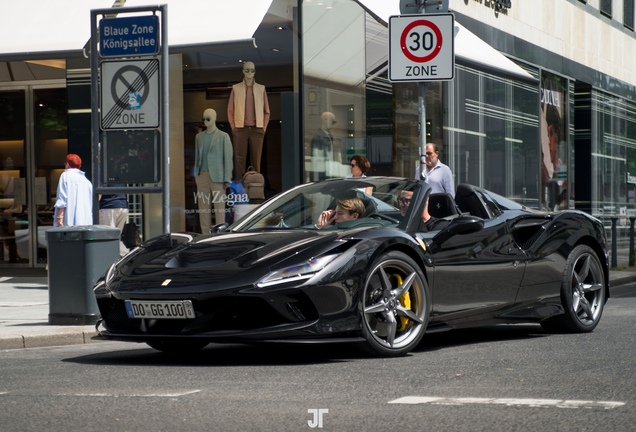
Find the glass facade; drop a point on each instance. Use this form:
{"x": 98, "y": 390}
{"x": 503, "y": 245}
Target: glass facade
{"x": 212, "y": 83}
{"x": 491, "y": 134}
{"x": 334, "y": 77}
{"x": 486, "y": 127}
{"x": 33, "y": 148}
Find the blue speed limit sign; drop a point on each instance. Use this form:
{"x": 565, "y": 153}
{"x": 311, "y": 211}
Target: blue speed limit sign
{"x": 421, "y": 47}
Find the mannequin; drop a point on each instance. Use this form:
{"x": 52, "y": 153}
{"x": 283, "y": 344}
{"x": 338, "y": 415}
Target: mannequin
{"x": 213, "y": 163}
{"x": 248, "y": 114}
{"x": 322, "y": 146}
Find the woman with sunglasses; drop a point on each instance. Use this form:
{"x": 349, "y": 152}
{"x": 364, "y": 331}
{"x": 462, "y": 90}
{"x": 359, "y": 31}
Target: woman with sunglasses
{"x": 359, "y": 165}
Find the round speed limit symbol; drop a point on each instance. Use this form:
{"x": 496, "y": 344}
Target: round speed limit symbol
{"x": 421, "y": 48}
{"x": 421, "y": 41}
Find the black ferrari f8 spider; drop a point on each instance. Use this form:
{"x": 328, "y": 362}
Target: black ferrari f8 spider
{"x": 381, "y": 280}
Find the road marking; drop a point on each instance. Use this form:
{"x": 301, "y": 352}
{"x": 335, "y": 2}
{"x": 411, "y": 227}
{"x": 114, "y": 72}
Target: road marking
{"x": 129, "y": 395}
{"x": 6, "y": 278}
{"x": 558, "y": 403}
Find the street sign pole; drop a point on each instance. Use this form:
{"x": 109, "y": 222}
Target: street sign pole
{"x": 420, "y": 7}
{"x": 143, "y": 49}
{"x": 165, "y": 120}
{"x": 423, "y": 89}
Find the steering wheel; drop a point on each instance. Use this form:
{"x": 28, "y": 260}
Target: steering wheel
{"x": 383, "y": 216}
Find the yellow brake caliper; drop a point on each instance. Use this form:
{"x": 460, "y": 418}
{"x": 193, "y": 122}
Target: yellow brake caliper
{"x": 405, "y": 301}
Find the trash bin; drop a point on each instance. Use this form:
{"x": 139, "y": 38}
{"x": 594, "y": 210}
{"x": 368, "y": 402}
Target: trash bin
{"x": 78, "y": 256}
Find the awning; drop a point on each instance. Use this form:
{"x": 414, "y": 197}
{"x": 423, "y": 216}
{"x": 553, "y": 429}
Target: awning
{"x": 470, "y": 50}
{"x": 45, "y": 29}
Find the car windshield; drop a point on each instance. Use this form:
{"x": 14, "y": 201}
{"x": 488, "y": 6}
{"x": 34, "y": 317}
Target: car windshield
{"x": 385, "y": 201}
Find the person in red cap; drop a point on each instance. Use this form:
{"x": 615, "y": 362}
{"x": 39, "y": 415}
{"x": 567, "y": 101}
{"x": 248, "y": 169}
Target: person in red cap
{"x": 74, "y": 201}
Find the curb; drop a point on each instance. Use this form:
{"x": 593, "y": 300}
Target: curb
{"x": 617, "y": 280}
{"x": 47, "y": 339}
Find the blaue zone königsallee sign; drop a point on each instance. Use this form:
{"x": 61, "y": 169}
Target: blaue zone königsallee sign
{"x": 122, "y": 37}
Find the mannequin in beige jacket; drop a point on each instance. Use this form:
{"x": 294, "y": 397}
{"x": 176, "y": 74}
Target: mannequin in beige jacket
{"x": 248, "y": 114}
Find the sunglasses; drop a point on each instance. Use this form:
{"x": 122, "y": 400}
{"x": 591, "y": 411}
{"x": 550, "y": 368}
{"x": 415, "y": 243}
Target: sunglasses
{"x": 249, "y": 70}
{"x": 353, "y": 165}
{"x": 405, "y": 201}
{"x": 207, "y": 119}
{"x": 429, "y": 153}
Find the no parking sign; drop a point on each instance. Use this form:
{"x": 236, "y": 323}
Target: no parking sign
{"x": 422, "y": 47}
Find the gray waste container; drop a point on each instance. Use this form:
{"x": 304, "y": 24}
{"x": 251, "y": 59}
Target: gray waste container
{"x": 78, "y": 256}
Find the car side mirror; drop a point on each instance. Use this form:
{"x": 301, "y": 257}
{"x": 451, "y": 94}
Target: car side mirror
{"x": 219, "y": 228}
{"x": 459, "y": 225}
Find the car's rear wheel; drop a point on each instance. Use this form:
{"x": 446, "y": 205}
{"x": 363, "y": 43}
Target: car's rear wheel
{"x": 175, "y": 346}
{"x": 582, "y": 293}
{"x": 394, "y": 305}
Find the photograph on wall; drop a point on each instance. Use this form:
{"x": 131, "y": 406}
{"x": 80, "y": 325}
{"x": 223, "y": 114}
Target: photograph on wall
{"x": 553, "y": 117}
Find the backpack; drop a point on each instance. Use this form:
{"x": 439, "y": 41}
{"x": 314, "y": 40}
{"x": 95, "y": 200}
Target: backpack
{"x": 254, "y": 184}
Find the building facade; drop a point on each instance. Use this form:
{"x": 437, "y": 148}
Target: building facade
{"x": 564, "y": 140}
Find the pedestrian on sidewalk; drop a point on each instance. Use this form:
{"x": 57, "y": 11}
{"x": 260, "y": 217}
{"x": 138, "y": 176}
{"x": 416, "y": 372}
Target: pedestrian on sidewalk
{"x": 74, "y": 200}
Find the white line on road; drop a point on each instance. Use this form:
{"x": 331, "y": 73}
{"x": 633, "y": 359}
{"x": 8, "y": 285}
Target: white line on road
{"x": 558, "y": 403}
{"x": 130, "y": 395}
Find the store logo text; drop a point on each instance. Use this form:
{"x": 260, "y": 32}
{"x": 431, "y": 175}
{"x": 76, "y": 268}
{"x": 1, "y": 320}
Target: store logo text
{"x": 499, "y": 6}
{"x": 216, "y": 197}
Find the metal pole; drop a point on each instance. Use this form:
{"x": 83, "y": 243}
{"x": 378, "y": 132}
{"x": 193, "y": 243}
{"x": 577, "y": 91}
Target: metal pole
{"x": 614, "y": 243}
{"x": 94, "y": 116}
{"x": 632, "y": 219}
{"x": 423, "y": 89}
{"x": 165, "y": 119}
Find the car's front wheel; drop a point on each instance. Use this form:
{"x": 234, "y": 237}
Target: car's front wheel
{"x": 394, "y": 306}
{"x": 582, "y": 293}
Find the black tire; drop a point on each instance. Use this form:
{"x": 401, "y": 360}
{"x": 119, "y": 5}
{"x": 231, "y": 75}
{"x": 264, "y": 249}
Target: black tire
{"x": 582, "y": 293}
{"x": 390, "y": 327}
{"x": 176, "y": 346}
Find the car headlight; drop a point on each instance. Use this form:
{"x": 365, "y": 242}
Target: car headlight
{"x": 296, "y": 272}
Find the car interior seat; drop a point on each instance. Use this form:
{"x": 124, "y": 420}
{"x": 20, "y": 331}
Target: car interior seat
{"x": 442, "y": 206}
{"x": 370, "y": 206}
{"x": 468, "y": 201}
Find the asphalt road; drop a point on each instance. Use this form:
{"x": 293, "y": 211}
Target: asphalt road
{"x": 506, "y": 378}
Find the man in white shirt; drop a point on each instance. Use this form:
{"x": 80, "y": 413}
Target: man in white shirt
{"x": 438, "y": 175}
{"x": 74, "y": 201}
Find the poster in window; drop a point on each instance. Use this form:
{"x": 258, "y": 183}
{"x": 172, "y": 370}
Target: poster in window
{"x": 553, "y": 143}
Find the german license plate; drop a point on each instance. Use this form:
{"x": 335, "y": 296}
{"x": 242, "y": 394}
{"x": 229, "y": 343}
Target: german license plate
{"x": 181, "y": 309}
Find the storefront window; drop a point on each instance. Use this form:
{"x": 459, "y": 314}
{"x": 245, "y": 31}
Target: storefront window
{"x": 407, "y": 145}
{"x": 553, "y": 117}
{"x": 491, "y": 134}
{"x": 613, "y": 156}
{"x": 244, "y": 95}
{"x": 334, "y": 75}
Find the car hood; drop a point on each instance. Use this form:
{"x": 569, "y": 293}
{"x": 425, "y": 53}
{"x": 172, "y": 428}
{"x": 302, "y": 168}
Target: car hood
{"x": 216, "y": 261}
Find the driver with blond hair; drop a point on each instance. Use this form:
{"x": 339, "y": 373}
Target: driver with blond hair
{"x": 345, "y": 210}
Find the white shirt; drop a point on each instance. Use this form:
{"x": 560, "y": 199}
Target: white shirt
{"x": 440, "y": 179}
{"x": 75, "y": 195}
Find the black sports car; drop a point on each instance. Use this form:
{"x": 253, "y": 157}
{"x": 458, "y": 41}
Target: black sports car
{"x": 382, "y": 280}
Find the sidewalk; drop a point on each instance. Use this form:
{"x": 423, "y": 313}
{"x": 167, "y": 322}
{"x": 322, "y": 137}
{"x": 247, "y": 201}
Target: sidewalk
{"x": 24, "y": 310}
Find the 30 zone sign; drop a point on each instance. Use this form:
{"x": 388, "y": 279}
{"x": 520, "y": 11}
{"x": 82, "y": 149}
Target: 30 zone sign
{"x": 421, "y": 47}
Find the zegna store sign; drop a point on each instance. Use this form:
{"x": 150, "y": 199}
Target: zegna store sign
{"x": 499, "y": 6}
